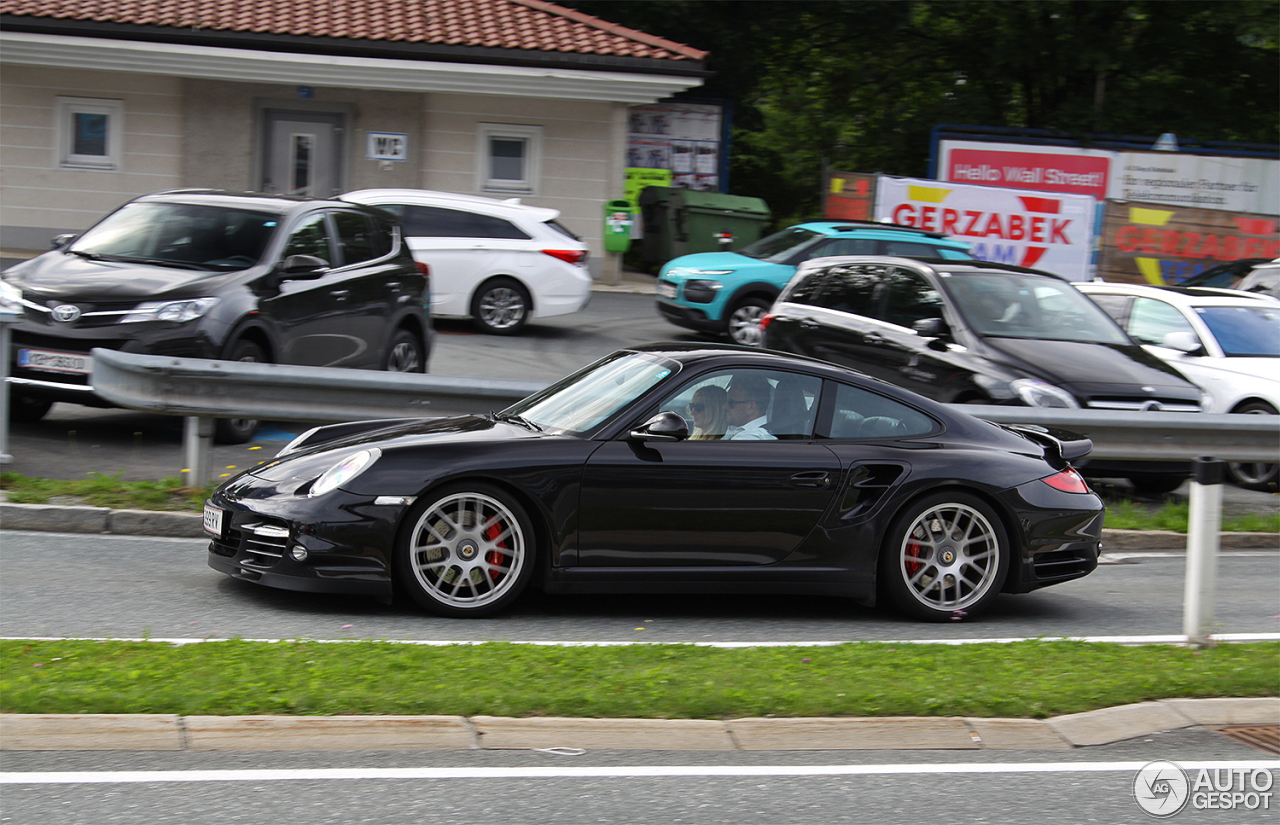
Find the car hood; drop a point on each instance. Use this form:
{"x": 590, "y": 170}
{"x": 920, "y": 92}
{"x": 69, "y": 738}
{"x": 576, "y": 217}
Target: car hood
{"x": 1081, "y": 365}
{"x": 688, "y": 266}
{"x": 63, "y": 276}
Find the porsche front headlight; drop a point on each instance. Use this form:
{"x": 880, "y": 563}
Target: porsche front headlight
{"x": 345, "y": 470}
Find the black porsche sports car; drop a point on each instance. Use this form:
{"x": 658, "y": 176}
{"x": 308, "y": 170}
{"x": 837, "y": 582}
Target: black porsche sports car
{"x": 671, "y": 468}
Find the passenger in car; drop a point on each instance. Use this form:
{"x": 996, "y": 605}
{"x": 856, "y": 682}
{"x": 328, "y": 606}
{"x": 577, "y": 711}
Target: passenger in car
{"x": 708, "y": 411}
{"x": 745, "y": 409}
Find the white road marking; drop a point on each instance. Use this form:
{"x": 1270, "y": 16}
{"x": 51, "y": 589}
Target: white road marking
{"x": 613, "y": 772}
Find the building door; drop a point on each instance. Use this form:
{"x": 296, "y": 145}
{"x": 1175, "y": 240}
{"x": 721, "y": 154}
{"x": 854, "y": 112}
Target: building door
{"x": 302, "y": 153}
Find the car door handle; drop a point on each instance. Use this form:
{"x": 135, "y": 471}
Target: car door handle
{"x": 817, "y": 478}
{"x": 873, "y": 338}
{"x": 340, "y": 294}
{"x": 807, "y": 324}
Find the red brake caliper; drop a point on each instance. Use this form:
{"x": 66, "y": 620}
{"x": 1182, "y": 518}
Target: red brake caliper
{"x": 493, "y": 556}
{"x": 914, "y": 552}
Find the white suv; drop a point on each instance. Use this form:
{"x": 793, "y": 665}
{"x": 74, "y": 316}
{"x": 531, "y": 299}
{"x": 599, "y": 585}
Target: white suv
{"x": 497, "y": 261}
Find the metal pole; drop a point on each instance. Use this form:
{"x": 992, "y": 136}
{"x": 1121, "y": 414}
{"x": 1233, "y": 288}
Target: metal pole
{"x": 197, "y": 440}
{"x": 1205, "y": 520}
{"x": 6, "y": 319}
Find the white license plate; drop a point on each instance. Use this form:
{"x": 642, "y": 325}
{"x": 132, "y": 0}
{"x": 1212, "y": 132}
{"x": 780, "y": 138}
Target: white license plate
{"x": 49, "y": 361}
{"x": 213, "y": 520}
{"x": 667, "y": 290}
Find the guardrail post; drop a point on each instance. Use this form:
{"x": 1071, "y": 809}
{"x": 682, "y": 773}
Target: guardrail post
{"x": 197, "y": 441}
{"x": 1205, "y": 521}
{"x": 7, "y": 318}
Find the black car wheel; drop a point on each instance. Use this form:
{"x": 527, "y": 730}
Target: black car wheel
{"x": 501, "y": 306}
{"x": 743, "y": 324}
{"x": 468, "y": 551}
{"x": 1254, "y": 476}
{"x": 26, "y": 408}
{"x": 405, "y": 353}
{"x": 944, "y": 557}
{"x": 239, "y": 430}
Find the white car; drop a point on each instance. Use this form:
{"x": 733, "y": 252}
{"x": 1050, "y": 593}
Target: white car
{"x": 497, "y": 261}
{"x": 1226, "y": 341}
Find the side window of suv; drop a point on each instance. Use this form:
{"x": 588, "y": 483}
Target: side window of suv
{"x": 311, "y": 237}
{"x": 909, "y": 297}
{"x": 358, "y": 237}
{"x": 851, "y": 289}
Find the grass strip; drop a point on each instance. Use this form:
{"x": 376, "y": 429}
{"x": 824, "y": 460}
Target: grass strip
{"x": 1023, "y": 679}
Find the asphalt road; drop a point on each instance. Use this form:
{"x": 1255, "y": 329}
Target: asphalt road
{"x": 68, "y": 585}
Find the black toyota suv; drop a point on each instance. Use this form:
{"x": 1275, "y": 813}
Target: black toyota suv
{"x": 981, "y": 333}
{"x": 208, "y": 274}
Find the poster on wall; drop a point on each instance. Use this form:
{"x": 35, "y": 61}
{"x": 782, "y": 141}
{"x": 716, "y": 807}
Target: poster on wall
{"x": 1043, "y": 230}
{"x": 1152, "y": 243}
{"x": 681, "y": 139}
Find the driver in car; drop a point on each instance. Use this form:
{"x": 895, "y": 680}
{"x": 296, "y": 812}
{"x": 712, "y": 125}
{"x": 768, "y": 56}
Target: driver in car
{"x": 745, "y": 409}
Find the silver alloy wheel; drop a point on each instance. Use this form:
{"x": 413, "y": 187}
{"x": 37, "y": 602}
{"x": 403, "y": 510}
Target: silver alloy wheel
{"x": 950, "y": 557}
{"x": 744, "y": 325}
{"x": 502, "y": 308}
{"x": 1253, "y": 475}
{"x": 404, "y": 357}
{"x": 467, "y": 550}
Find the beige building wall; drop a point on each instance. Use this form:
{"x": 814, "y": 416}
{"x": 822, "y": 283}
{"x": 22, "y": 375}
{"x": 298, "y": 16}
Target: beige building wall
{"x": 38, "y": 196}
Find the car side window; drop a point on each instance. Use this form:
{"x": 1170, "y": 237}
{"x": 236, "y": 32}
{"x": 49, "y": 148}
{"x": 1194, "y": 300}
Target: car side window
{"x": 357, "y": 237}
{"x": 860, "y": 413}
{"x": 311, "y": 237}
{"x": 909, "y": 297}
{"x": 807, "y": 289}
{"x": 1113, "y": 305}
{"x": 745, "y": 404}
{"x": 851, "y": 289}
{"x": 438, "y": 222}
{"x": 910, "y": 249}
{"x": 1151, "y": 320}
{"x": 845, "y": 246}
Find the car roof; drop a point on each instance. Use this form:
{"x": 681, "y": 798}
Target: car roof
{"x": 834, "y": 227}
{"x": 960, "y": 266}
{"x": 1183, "y": 295}
{"x": 509, "y": 207}
{"x": 257, "y": 201}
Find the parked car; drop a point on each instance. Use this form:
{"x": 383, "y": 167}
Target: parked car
{"x": 1264, "y": 280}
{"x": 1226, "y": 275}
{"x": 499, "y": 262}
{"x": 206, "y": 274}
{"x": 982, "y": 333}
{"x": 850, "y": 486}
{"x": 727, "y": 293}
{"x": 1228, "y": 344}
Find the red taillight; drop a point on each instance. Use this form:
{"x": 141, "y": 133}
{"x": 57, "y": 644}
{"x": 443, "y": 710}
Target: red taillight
{"x": 765, "y": 321}
{"x": 423, "y": 268}
{"x": 572, "y": 256}
{"x": 1068, "y": 481}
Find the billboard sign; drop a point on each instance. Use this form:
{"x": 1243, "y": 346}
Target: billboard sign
{"x": 1044, "y": 230}
{"x": 1150, "y": 243}
{"x": 682, "y": 139}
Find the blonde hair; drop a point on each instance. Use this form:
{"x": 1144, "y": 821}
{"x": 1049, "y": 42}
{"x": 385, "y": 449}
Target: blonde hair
{"x": 713, "y": 398}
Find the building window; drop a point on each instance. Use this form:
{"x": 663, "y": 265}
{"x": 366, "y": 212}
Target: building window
{"x": 509, "y": 157}
{"x": 89, "y": 132}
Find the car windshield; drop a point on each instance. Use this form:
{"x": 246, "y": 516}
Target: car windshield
{"x": 190, "y": 236}
{"x": 779, "y": 246}
{"x": 1245, "y": 331}
{"x": 586, "y": 399}
{"x": 1016, "y": 305}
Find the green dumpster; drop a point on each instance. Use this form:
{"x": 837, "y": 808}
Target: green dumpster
{"x": 683, "y": 221}
{"x": 617, "y": 225}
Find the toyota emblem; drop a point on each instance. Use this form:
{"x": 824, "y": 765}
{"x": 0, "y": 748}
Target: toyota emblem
{"x": 66, "y": 313}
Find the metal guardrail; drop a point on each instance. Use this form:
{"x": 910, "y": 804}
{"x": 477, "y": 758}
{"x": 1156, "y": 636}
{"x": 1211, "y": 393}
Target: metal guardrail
{"x": 203, "y": 390}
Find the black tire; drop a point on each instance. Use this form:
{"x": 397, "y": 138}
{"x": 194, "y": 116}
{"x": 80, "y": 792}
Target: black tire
{"x": 1252, "y": 475}
{"x": 27, "y": 409}
{"x": 239, "y": 430}
{"x": 465, "y": 551}
{"x": 742, "y": 322}
{"x": 944, "y": 557}
{"x": 501, "y": 306}
{"x": 1157, "y": 484}
{"x": 405, "y": 353}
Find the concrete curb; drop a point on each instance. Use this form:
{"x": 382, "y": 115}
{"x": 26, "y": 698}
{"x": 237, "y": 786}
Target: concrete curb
{"x": 79, "y": 519}
{"x": 166, "y": 732}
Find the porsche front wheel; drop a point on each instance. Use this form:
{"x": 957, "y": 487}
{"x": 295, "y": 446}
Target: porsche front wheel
{"x": 467, "y": 551}
{"x": 945, "y": 557}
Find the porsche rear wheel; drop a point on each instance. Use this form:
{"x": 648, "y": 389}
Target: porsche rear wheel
{"x": 944, "y": 558}
{"x": 468, "y": 551}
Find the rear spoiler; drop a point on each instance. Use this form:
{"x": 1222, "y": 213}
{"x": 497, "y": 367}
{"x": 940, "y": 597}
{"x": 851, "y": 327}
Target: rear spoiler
{"x": 1062, "y": 444}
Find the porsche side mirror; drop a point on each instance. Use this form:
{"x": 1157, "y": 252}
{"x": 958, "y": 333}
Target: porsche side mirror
{"x": 303, "y": 267}
{"x": 665, "y": 426}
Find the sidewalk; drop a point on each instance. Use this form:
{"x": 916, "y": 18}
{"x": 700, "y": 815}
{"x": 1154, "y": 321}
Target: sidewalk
{"x": 165, "y": 732}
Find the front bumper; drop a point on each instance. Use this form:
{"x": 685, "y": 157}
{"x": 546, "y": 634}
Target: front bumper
{"x": 689, "y": 318}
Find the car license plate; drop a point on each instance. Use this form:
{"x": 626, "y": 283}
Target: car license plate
{"x": 48, "y": 361}
{"x": 213, "y": 520}
{"x": 666, "y": 289}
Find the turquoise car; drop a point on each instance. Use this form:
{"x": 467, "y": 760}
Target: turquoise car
{"x": 727, "y": 293}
